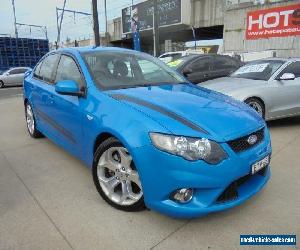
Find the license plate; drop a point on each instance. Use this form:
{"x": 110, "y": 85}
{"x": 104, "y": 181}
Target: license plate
{"x": 260, "y": 164}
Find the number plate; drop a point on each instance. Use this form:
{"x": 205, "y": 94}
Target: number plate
{"x": 260, "y": 164}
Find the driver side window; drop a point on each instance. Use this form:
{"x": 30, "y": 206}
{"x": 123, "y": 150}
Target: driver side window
{"x": 293, "y": 68}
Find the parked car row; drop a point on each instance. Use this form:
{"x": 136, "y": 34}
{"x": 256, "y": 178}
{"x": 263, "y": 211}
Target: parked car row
{"x": 200, "y": 68}
{"x": 270, "y": 86}
{"x": 13, "y": 76}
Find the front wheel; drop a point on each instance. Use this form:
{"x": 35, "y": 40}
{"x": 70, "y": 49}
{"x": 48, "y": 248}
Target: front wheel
{"x": 116, "y": 177}
{"x": 257, "y": 105}
{"x": 1, "y": 84}
{"x": 31, "y": 122}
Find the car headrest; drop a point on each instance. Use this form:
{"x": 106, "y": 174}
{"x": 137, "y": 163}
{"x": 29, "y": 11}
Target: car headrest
{"x": 120, "y": 69}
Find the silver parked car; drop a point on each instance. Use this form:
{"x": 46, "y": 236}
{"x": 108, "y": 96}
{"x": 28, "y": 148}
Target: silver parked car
{"x": 13, "y": 76}
{"x": 270, "y": 86}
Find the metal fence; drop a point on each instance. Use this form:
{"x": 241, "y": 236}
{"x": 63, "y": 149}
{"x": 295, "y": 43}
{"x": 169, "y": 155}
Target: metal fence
{"x": 21, "y": 52}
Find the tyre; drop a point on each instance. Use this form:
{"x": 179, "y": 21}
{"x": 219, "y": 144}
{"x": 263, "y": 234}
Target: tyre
{"x": 31, "y": 122}
{"x": 1, "y": 84}
{"x": 257, "y": 105}
{"x": 116, "y": 177}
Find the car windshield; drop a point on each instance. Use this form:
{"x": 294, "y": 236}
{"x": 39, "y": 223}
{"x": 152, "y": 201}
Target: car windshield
{"x": 258, "y": 70}
{"x": 119, "y": 69}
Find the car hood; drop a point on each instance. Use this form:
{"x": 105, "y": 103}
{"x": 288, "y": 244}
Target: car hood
{"x": 228, "y": 85}
{"x": 221, "y": 117}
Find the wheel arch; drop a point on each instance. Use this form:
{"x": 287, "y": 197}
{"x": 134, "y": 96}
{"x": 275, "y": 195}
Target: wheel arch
{"x": 256, "y": 97}
{"x": 25, "y": 101}
{"x": 104, "y": 135}
{"x": 101, "y": 138}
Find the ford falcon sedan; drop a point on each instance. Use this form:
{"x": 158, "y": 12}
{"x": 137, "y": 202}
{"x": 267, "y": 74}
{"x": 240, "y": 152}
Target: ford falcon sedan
{"x": 151, "y": 138}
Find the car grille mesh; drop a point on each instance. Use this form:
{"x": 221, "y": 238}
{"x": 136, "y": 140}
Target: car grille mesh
{"x": 242, "y": 144}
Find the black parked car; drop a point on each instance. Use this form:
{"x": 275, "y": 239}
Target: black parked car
{"x": 200, "y": 68}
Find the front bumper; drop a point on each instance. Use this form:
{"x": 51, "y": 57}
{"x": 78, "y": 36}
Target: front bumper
{"x": 162, "y": 173}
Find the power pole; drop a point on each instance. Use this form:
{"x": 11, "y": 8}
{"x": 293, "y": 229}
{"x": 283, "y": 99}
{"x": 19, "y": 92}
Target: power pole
{"x": 60, "y": 23}
{"x": 96, "y": 23}
{"x": 15, "y": 19}
{"x": 155, "y": 29}
{"x": 105, "y": 13}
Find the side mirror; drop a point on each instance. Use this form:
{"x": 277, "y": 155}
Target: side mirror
{"x": 287, "y": 76}
{"x": 68, "y": 87}
{"x": 187, "y": 71}
{"x": 6, "y": 74}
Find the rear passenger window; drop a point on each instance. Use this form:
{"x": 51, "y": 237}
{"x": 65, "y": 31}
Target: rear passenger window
{"x": 14, "y": 72}
{"x": 48, "y": 68}
{"x": 68, "y": 70}
{"x": 37, "y": 69}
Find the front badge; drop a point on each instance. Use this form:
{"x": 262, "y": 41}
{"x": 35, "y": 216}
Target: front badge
{"x": 252, "y": 139}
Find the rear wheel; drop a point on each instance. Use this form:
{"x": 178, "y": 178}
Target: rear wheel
{"x": 1, "y": 84}
{"x": 257, "y": 105}
{"x": 116, "y": 177}
{"x": 31, "y": 123}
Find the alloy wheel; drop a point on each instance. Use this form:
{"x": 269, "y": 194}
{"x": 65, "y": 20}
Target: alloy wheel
{"x": 257, "y": 107}
{"x": 118, "y": 178}
{"x": 30, "y": 119}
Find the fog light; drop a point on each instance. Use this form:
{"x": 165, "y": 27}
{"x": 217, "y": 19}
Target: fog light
{"x": 183, "y": 195}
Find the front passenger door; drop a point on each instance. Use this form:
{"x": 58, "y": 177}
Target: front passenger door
{"x": 289, "y": 90}
{"x": 67, "y": 110}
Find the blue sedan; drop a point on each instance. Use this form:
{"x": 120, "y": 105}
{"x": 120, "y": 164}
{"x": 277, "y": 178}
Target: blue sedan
{"x": 151, "y": 138}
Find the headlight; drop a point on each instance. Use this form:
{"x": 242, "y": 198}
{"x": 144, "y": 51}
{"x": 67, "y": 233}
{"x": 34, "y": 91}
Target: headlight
{"x": 189, "y": 148}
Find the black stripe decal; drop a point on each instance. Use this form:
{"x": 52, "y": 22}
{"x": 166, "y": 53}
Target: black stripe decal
{"x": 62, "y": 130}
{"x": 160, "y": 110}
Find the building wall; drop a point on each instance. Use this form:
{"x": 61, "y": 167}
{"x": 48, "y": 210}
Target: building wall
{"x": 207, "y": 13}
{"x": 198, "y": 13}
{"x": 234, "y": 33}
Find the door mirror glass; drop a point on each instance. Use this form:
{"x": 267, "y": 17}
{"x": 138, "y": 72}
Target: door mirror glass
{"x": 187, "y": 71}
{"x": 68, "y": 87}
{"x": 287, "y": 76}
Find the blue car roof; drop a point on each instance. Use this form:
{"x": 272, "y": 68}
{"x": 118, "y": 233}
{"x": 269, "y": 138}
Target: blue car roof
{"x": 92, "y": 49}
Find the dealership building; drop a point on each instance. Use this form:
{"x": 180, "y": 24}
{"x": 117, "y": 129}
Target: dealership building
{"x": 246, "y": 27}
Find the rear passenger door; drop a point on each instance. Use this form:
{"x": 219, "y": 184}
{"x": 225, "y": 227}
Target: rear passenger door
{"x": 201, "y": 69}
{"x": 42, "y": 93}
{"x": 12, "y": 77}
{"x": 20, "y": 75}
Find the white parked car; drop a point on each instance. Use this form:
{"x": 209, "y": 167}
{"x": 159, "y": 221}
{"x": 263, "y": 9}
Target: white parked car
{"x": 13, "y": 76}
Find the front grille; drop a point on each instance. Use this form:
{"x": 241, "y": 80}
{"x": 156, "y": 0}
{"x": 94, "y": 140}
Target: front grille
{"x": 242, "y": 144}
{"x": 231, "y": 192}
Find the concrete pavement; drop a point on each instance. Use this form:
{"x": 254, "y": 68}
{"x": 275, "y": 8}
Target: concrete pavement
{"x": 48, "y": 200}
{"x": 9, "y": 92}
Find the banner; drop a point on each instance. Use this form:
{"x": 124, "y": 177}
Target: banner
{"x": 275, "y": 22}
{"x": 169, "y": 13}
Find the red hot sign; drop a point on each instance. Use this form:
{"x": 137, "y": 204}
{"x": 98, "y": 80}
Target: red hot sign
{"x": 275, "y": 22}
